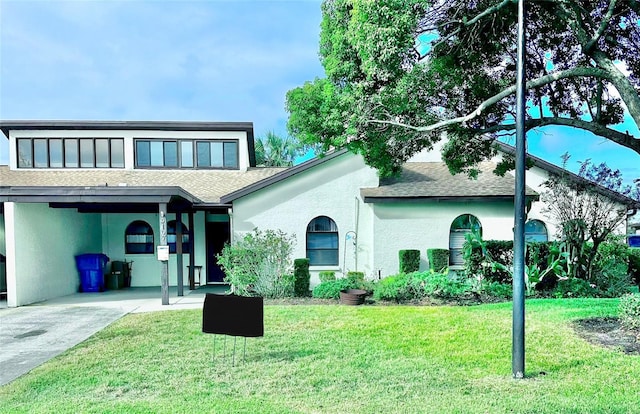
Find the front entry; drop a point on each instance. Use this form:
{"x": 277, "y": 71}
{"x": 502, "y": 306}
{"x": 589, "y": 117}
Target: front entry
{"x": 217, "y": 233}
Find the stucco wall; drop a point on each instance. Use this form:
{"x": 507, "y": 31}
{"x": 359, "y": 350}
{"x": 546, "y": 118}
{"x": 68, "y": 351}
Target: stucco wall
{"x": 44, "y": 250}
{"x": 146, "y": 267}
{"x": 422, "y": 226}
{"x": 331, "y": 189}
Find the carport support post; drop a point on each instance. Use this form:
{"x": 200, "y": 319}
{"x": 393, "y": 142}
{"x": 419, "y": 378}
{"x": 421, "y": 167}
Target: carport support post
{"x": 164, "y": 275}
{"x": 179, "y": 252}
{"x": 192, "y": 260}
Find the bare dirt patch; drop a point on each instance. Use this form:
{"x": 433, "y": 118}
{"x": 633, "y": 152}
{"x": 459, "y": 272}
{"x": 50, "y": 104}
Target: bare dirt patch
{"x": 609, "y": 333}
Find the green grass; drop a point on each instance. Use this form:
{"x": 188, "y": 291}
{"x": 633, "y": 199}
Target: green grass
{"x": 340, "y": 359}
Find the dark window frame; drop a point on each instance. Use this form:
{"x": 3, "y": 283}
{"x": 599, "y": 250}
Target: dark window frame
{"x": 65, "y": 161}
{"x": 332, "y": 235}
{"x": 131, "y": 246}
{"x": 455, "y": 254}
{"x": 195, "y": 165}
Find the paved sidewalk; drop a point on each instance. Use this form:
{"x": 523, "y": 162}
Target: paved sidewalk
{"x": 31, "y": 335}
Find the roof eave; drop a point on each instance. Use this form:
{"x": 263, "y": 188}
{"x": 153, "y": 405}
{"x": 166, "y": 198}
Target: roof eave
{"x": 418, "y": 199}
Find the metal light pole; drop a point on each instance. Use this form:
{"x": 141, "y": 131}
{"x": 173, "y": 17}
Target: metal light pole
{"x": 517, "y": 351}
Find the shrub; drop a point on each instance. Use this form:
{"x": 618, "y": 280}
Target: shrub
{"x": 610, "y": 269}
{"x": 499, "y": 251}
{"x": 259, "y": 263}
{"x": 440, "y": 285}
{"x": 301, "y": 276}
{"x": 331, "y": 289}
{"x": 409, "y": 261}
{"x": 392, "y": 288}
{"x": 498, "y": 290}
{"x": 356, "y": 278}
{"x": 574, "y": 288}
{"x": 327, "y": 275}
{"x": 438, "y": 259}
{"x": 634, "y": 265}
{"x": 629, "y": 311}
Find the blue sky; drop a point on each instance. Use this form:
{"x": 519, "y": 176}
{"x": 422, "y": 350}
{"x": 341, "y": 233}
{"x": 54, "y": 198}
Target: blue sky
{"x": 188, "y": 60}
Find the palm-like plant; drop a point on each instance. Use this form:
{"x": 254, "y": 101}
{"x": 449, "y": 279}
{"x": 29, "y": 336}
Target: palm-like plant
{"x": 273, "y": 150}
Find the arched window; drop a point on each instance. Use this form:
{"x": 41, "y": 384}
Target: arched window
{"x": 322, "y": 242}
{"x": 460, "y": 227}
{"x": 138, "y": 238}
{"x": 535, "y": 231}
{"x": 171, "y": 237}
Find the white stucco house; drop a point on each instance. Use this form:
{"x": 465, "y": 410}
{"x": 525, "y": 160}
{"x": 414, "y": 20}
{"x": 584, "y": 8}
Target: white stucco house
{"x": 74, "y": 187}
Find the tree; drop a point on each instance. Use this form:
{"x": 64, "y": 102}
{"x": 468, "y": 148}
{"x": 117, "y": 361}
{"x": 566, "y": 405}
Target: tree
{"x": 276, "y": 151}
{"x": 586, "y": 212}
{"x": 400, "y": 73}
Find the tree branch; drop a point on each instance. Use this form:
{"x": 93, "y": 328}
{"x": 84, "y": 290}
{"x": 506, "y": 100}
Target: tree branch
{"x": 544, "y": 80}
{"x": 603, "y": 26}
{"x": 626, "y": 140}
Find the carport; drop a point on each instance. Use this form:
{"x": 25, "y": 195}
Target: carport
{"x": 58, "y": 222}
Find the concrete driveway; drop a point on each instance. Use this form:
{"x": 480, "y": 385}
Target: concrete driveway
{"x": 31, "y": 335}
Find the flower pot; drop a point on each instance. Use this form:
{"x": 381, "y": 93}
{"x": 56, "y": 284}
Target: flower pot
{"x": 352, "y": 296}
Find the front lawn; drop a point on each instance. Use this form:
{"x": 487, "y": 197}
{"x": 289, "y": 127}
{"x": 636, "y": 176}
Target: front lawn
{"x": 340, "y": 359}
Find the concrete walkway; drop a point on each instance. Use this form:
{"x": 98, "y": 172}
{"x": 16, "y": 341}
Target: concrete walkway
{"x": 31, "y": 335}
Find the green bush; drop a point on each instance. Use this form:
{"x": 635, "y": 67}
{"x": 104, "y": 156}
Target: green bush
{"x": 302, "y": 277}
{"x": 574, "y": 288}
{"x": 331, "y": 289}
{"x": 259, "y": 264}
{"x": 438, "y": 259}
{"x": 356, "y": 277}
{"x": 634, "y": 265}
{"x": 499, "y": 251}
{"x": 441, "y": 285}
{"x": 610, "y": 268}
{"x": 498, "y": 290}
{"x": 409, "y": 261}
{"x": 629, "y": 311}
{"x": 392, "y": 288}
{"x": 327, "y": 275}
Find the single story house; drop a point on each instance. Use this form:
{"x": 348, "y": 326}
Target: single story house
{"x": 125, "y": 188}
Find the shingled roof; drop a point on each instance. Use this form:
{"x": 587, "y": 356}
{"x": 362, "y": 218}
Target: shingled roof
{"x": 432, "y": 180}
{"x": 206, "y": 185}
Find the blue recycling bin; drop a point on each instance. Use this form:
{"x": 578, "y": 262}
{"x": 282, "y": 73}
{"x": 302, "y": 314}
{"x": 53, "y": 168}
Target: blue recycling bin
{"x": 91, "y": 268}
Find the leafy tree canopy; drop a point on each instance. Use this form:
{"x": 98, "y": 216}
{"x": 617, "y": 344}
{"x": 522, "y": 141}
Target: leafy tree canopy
{"x": 400, "y": 73}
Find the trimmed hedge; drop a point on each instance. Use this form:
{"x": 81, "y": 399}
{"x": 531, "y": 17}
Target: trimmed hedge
{"x": 301, "y": 277}
{"x": 438, "y": 259}
{"x": 409, "y": 261}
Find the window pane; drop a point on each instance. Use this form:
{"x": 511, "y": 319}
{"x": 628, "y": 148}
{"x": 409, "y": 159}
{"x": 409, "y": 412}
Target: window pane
{"x": 157, "y": 160}
{"x": 322, "y": 257}
{"x": 170, "y": 154}
{"x": 40, "y": 153}
{"x": 117, "y": 153}
{"x": 231, "y": 154}
{"x": 71, "y": 153}
{"x": 102, "y": 153}
{"x": 186, "y": 154}
{"x": 86, "y": 153}
{"x": 55, "y": 153}
{"x": 24, "y": 153}
{"x": 216, "y": 154}
{"x": 143, "y": 153}
{"x": 204, "y": 159}
{"x": 322, "y": 241}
